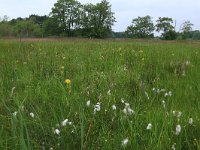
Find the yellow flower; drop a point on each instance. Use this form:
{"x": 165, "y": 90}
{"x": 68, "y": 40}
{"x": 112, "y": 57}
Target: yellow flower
{"x": 67, "y": 81}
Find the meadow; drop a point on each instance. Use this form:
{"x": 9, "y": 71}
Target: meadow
{"x": 99, "y": 94}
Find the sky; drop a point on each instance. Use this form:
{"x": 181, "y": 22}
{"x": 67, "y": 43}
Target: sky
{"x": 125, "y": 10}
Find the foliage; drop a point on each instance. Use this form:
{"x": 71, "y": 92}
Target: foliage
{"x": 142, "y": 27}
{"x": 67, "y": 14}
{"x": 186, "y": 28}
{"x": 97, "y": 19}
{"x": 164, "y": 24}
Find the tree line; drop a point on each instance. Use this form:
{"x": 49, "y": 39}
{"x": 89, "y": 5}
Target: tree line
{"x": 70, "y": 18}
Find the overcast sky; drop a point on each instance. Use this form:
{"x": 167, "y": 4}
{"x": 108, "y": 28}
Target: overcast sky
{"x": 125, "y": 10}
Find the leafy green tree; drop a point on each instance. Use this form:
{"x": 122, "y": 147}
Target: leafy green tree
{"x": 97, "y": 20}
{"x": 27, "y": 28}
{"x": 142, "y": 27}
{"x": 67, "y": 13}
{"x": 164, "y": 24}
{"x": 6, "y": 29}
{"x": 186, "y": 29}
{"x": 51, "y": 27}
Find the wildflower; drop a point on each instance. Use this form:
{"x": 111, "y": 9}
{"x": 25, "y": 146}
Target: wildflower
{"x": 15, "y": 113}
{"x": 114, "y": 107}
{"x": 173, "y": 146}
{"x": 69, "y": 123}
{"x": 149, "y": 126}
{"x": 88, "y": 103}
{"x": 147, "y": 95}
{"x": 109, "y": 93}
{"x": 163, "y": 102}
{"x": 97, "y": 107}
{"x": 191, "y": 121}
{"x": 125, "y": 142}
{"x": 32, "y": 115}
{"x": 170, "y": 93}
{"x": 174, "y": 113}
{"x": 127, "y": 109}
{"x": 56, "y": 131}
{"x": 12, "y": 91}
{"x": 64, "y": 123}
{"x": 62, "y": 67}
{"x": 179, "y": 114}
{"x": 178, "y": 129}
{"x": 67, "y": 81}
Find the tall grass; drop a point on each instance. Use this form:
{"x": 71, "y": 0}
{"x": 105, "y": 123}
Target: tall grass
{"x": 148, "y": 83}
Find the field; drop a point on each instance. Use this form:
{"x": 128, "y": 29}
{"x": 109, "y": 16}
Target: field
{"x": 99, "y": 94}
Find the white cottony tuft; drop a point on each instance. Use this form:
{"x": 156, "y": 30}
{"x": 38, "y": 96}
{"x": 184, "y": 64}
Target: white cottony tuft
{"x": 191, "y": 121}
{"x": 32, "y": 115}
{"x": 109, "y": 93}
{"x": 178, "y": 129}
{"x": 174, "y": 113}
{"x": 15, "y": 113}
{"x": 174, "y": 146}
{"x": 114, "y": 107}
{"x": 122, "y": 100}
{"x": 125, "y": 142}
{"x": 88, "y": 103}
{"x": 149, "y": 126}
{"x": 179, "y": 114}
{"x": 56, "y": 131}
{"x": 163, "y": 102}
{"x": 147, "y": 95}
{"x": 127, "y": 110}
{"x": 97, "y": 107}
{"x": 64, "y": 123}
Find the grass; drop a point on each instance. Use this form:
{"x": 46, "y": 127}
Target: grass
{"x": 32, "y": 75}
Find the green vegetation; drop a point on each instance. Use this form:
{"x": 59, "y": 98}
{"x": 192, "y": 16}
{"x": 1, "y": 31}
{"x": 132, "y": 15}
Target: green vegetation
{"x": 119, "y": 95}
{"x": 70, "y": 18}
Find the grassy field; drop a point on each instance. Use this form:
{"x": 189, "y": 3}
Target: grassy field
{"x": 142, "y": 95}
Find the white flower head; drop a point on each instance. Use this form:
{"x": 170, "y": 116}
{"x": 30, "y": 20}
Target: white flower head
{"x": 15, "y": 113}
{"x": 191, "y": 121}
{"x": 114, "y": 107}
{"x": 32, "y": 115}
{"x": 56, "y": 131}
{"x": 97, "y": 107}
{"x": 174, "y": 146}
{"x": 127, "y": 110}
{"x": 64, "y": 123}
{"x": 170, "y": 93}
{"x": 88, "y": 103}
{"x": 122, "y": 101}
{"x": 109, "y": 93}
{"x": 178, "y": 129}
{"x": 147, "y": 95}
{"x": 163, "y": 103}
{"x": 174, "y": 113}
{"x": 149, "y": 126}
{"x": 179, "y": 114}
{"x": 125, "y": 142}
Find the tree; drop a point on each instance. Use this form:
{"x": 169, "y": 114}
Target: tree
{"x": 165, "y": 25}
{"x": 142, "y": 27}
{"x": 67, "y": 14}
{"x": 186, "y": 28}
{"x": 27, "y": 28}
{"x": 97, "y": 20}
